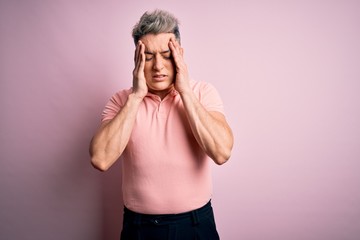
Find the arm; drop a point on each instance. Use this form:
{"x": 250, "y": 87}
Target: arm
{"x": 210, "y": 129}
{"x": 113, "y": 135}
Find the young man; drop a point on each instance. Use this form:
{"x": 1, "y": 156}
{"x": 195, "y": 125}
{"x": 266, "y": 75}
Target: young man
{"x": 167, "y": 128}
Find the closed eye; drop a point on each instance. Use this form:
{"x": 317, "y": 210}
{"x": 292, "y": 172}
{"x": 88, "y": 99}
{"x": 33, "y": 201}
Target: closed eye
{"x": 148, "y": 56}
{"x": 167, "y": 55}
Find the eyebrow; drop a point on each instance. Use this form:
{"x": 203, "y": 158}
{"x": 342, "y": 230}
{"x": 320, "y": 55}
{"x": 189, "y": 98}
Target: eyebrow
{"x": 152, "y": 53}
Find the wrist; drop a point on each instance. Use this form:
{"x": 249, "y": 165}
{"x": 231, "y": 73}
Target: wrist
{"x": 135, "y": 98}
{"x": 184, "y": 90}
{"x": 186, "y": 94}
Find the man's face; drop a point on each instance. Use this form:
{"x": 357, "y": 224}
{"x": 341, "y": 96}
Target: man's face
{"x": 159, "y": 66}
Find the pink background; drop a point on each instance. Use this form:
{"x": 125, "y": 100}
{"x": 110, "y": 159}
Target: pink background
{"x": 289, "y": 75}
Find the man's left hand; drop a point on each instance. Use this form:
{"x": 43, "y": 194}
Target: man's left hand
{"x": 182, "y": 84}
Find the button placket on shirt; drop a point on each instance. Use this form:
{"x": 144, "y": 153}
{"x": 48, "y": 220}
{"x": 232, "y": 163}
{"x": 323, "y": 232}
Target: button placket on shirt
{"x": 162, "y": 106}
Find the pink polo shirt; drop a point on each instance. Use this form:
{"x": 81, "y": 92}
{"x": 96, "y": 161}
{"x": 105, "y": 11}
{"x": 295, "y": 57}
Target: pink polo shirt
{"x": 164, "y": 169}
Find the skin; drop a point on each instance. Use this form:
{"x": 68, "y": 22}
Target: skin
{"x": 160, "y": 68}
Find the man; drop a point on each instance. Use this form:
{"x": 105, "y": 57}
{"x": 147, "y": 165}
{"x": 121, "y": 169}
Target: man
{"x": 167, "y": 128}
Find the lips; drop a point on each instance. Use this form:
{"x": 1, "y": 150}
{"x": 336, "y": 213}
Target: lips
{"x": 159, "y": 77}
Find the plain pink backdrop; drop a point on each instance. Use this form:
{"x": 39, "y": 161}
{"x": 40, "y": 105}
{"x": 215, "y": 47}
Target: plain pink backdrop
{"x": 288, "y": 73}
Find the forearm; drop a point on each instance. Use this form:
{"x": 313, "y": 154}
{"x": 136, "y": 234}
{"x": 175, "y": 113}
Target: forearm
{"x": 209, "y": 128}
{"x": 111, "y": 139}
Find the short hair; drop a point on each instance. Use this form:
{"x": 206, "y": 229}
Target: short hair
{"x": 158, "y": 21}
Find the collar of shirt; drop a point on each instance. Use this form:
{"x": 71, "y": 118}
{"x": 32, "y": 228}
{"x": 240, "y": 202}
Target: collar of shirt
{"x": 172, "y": 93}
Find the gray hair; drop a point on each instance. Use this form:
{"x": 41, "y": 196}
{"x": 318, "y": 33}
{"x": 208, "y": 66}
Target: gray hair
{"x": 158, "y": 21}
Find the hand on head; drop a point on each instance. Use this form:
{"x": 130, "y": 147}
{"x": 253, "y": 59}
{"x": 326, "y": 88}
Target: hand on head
{"x": 139, "y": 82}
{"x": 174, "y": 70}
{"x": 182, "y": 76}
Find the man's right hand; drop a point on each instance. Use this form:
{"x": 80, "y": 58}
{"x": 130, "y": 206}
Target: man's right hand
{"x": 140, "y": 88}
{"x": 113, "y": 136}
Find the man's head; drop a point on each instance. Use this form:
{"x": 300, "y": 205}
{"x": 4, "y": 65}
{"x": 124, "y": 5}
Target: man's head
{"x": 155, "y": 30}
{"x": 158, "y": 21}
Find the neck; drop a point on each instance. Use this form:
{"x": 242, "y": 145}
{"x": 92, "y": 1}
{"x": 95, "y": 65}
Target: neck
{"x": 162, "y": 93}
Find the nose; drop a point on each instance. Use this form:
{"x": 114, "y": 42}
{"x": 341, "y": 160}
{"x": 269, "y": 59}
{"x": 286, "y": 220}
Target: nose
{"x": 158, "y": 63}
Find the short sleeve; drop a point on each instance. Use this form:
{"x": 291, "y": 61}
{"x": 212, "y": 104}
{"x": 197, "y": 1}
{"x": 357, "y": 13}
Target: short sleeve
{"x": 114, "y": 105}
{"x": 210, "y": 98}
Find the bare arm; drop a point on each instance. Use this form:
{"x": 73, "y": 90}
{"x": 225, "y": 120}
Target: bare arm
{"x": 111, "y": 139}
{"x": 113, "y": 135}
{"x": 210, "y": 129}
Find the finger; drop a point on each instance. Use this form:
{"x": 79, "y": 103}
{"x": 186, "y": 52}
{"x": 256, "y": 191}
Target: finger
{"x": 176, "y": 53}
{"x": 173, "y": 53}
{"x": 142, "y": 56}
{"x": 136, "y": 61}
{"x": 177, "y": 45}
{"x": 174, "y": 50}
{"x": 179, "y": 49}
{"x": 173, "y": 44}
{"x": 182, "y": 51}
{"x": 136, "y": 52}
{"x": 173, "y": 39}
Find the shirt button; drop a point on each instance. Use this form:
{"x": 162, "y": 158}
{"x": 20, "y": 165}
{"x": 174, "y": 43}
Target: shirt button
{"x": 156, "y": 221}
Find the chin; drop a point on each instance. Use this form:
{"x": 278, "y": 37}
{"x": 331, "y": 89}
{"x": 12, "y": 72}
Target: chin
{"x": 161, "y": 86}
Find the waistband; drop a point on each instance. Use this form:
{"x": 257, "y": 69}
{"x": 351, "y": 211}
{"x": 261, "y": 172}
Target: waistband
{"x": 194, "y": 215}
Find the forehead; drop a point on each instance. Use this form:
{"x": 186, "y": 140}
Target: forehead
{"x": 157, "y": 42}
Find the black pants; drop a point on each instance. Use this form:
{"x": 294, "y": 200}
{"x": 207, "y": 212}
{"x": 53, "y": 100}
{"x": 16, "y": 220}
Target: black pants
{"x": 198, "y": 224}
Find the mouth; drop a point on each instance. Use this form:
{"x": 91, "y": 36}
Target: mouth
{"x": 159, "y": 77}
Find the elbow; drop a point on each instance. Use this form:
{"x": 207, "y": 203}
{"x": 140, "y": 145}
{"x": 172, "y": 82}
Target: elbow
{"x": 223, "y": 153}
{"x": 98, "y": 160}
{"x": 101, "y": 160}
{"x": 221, "y": 158}
{"x": 98, "y": 164}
